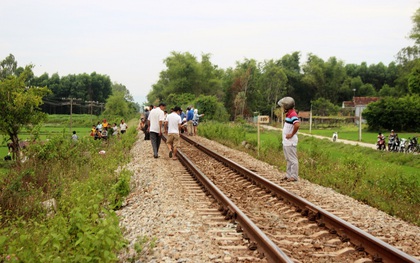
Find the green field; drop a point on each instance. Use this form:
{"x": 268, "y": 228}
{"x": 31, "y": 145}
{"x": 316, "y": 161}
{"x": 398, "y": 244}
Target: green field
{"x": 351, "y": 132}
{"x": 55, "y": 125}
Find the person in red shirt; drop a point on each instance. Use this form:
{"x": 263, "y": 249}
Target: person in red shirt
{"x": 290, "y": 138}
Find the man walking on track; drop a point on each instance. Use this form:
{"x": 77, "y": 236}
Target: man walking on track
{"x": 174, "y": 127}
{"x": 155, "y": 122}
{"x": 290, "y": 138}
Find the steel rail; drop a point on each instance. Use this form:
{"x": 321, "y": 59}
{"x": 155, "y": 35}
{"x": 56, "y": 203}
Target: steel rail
{"x": 264, "y": 244}
{"x": 377, "y": 248}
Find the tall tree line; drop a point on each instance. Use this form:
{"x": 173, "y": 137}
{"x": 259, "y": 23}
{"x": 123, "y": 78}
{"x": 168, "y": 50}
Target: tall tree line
{"x": 88, "y": 93}
{"x": 252, "y": 86}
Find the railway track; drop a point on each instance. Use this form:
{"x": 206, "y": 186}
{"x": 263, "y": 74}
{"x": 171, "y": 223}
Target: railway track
{"x": 282, "y": 226}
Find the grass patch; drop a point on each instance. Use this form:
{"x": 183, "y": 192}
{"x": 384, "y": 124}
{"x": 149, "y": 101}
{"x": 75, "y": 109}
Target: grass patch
{"x": 351, "y": 132}
{"x": 87, "y": 188}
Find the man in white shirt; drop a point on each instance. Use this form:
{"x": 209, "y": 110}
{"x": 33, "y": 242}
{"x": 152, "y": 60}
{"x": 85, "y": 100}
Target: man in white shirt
{"x": 290, "y": 138}
{"x": 155, "y": 121}
{"x": 123, "y": 127}
{"x": 173, "y": 127}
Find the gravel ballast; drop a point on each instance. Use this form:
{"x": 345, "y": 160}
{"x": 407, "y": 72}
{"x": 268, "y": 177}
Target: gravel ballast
{"x": 160, "y": 210}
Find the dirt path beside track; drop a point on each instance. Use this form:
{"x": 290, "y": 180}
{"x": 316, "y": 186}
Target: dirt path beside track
{"x": 369, "y": 145}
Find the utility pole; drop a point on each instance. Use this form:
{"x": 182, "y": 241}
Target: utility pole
{"x": 91, "y": 102}
{"x": 310, "y": 120}
{"x": 71, "y": 107}
{"x": 360, "y": 125}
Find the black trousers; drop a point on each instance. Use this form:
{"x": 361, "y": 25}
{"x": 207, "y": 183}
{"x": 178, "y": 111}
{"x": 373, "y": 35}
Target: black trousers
{"x": 155, "y": 139}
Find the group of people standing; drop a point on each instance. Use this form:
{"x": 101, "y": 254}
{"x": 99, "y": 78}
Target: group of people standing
{"x": 157, "y": 121}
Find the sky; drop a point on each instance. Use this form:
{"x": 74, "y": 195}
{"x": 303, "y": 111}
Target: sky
{"x": 129, "y": 39}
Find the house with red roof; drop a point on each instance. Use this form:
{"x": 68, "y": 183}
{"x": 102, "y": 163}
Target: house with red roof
{"x": 359, "y": 104}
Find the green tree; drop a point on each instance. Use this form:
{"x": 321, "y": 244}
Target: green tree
{"x": 314, "y": 76}
{"x": 116, "y": 106}
{"x": 367, "y": 90}
{"x": 184, "y": 74}
{"x": 210, "y": 78}
{"x": 387, "y": 91}
{"x": 294, "y": 86}
{"x": 408, "y": 58}
{"x": 415, "y": 31}
{"x": 212, "y": 108}
{"x": 245, "y": 84}
{"x": 19, "y": 106}
{"x": 335, "y": 75}
{"x": 414, "y": 79}
{"x": 324, "y": 107}
{"x": 394, "y": 113}
{"x": 120, "y": 103}
{"x": 8, "y": 67}
{"x": 182, "y": 100}
{"x": 272, "y": 83}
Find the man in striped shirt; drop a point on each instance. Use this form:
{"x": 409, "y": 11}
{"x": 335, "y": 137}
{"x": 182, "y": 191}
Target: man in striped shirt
{"x": 290, "y": 138}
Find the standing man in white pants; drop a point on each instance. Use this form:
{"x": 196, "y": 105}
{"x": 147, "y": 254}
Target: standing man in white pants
{"x": 290, "y": 138}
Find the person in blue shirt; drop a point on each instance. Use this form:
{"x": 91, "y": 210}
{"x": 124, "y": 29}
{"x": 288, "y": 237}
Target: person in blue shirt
{"x": 190, "y": 116}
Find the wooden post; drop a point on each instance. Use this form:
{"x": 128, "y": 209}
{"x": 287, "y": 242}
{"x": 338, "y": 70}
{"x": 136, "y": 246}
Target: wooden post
{"x": 310, "y": 120}
{"x": 261, "y": 119}
{"x": 360, "y": 125}
{"x": 258, "y": 136}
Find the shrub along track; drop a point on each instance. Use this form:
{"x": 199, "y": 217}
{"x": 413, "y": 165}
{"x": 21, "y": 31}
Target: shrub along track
{"x": 303, "y": 231}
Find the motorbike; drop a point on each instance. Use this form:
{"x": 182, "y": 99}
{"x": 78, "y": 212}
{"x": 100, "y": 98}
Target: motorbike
{"x": 380, "y": 144}
{"x": 397, "y": 144}
{"x": 391, "y": 143}
{"x": 402, "y": 144}
{"x": 412, "y": 145}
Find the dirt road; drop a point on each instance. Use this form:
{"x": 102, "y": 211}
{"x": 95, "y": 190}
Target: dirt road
{"x": 369, "y": 145}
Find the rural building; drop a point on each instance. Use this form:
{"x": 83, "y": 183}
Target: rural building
{"x": 359, "y": 104}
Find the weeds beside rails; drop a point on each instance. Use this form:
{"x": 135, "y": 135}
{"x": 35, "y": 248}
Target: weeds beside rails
{"x": 387, "y": 181}
{"x": 81, "y": 226}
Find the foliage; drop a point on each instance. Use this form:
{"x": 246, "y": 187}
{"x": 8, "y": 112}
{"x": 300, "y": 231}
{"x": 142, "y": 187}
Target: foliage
{"x": 184, "y": 74}
{"x": 19, "y": 106}
{"x": 384, "y": 180}
{"x": 116, "y": 105}
{"x": 89, "y": 92}
{"x": 323, "y": 107}
{"x": 414, "y": 78}
{"x": 211, "y": 108}
{"x": 83, "y": 227}
{"x": 224, "y": 132}
{"x": 8, "y": 67}
{"x": 87, "y": 87}
{"x": 183, "y": 100}
{"x": 394, "y": 113}
{"x": 253, "y": 86}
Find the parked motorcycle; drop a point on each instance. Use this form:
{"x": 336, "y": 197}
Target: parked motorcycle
{"x": 391, "y": 143}
{"x": 380, "y": 143}
{"x": 412, "y": 145}
{"x": 402, "y": 145}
